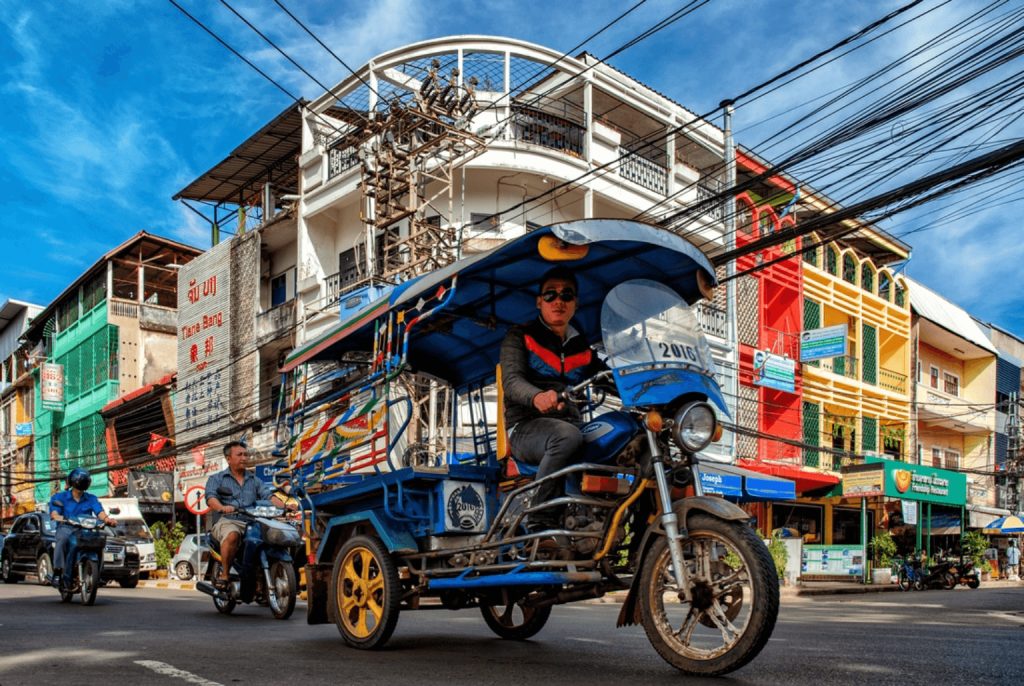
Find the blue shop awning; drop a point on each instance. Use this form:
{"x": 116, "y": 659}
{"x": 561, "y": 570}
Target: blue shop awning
{"x": 743, "y": 484}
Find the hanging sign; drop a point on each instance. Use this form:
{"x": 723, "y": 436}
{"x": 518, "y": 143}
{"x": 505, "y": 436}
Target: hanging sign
{"x": 774, "y": 371}
{"x": 816, "y": 344}
{"x": 909, "y": 511}
{"x": 51, "y": 386}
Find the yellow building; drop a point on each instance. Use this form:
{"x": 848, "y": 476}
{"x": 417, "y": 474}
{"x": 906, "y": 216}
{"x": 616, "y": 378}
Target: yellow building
{"x": 954, "y": 393}
{"x": 16, "y": 400}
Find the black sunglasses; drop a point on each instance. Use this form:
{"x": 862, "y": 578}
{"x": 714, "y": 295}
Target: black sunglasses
{"x": 566, "y": 295}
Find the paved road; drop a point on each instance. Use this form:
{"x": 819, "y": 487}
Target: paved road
{"x": 166, "y": 636}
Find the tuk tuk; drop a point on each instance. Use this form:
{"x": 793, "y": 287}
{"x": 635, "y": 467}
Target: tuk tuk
{"x": 393, "y": 430}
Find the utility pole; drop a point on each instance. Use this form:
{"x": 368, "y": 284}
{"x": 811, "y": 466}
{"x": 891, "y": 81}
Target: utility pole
{"x": 729, "y": 215}
{"x": 1014, "y": 458}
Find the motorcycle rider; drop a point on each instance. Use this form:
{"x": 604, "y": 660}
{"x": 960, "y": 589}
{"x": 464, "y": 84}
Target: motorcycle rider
{"x": 228, "y": 491}
{"x": 72, "y": 503}
{"x": 538, "y": 361}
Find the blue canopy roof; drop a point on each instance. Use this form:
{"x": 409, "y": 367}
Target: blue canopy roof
{"x": 498, "y": 288}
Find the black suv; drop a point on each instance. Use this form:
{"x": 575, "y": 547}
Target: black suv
{"x": 28, "y": 549}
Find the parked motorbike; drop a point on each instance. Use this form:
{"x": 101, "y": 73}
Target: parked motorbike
{"x": 83, "y": 563}
{"x": 965, "y": 573}
{"x": 263, "y": 570}
{"x": 938, "y": 576}
{"x": 910, "y": 575}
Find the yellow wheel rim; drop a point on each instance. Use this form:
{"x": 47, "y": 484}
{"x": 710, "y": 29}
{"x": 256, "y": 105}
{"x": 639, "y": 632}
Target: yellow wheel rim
{"x": 361, "y": 592}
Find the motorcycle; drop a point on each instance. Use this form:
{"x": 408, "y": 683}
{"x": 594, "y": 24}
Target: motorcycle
{"x": 965, "y": 573}
{"x": 910, "y": 575}
{"x": 263, "y": 570}
{"x": 83, "y": 563}
{"x": 939, "y": 576}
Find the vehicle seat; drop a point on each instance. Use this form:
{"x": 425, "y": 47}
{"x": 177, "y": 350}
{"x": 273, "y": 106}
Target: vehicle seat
{"x": 515, "y": 472}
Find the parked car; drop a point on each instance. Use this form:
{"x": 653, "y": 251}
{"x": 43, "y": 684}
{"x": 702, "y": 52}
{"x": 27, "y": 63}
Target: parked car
{"x": 188, "y": 556}
{"x": 28, "y": 550}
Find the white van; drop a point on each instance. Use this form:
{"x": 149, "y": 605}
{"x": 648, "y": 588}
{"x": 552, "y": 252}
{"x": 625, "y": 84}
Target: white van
{"x": 131, "y": 526}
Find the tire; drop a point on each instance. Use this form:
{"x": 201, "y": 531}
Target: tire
{"x": 365, "y": 590}
{"x": 183, "y": 570}
{"x": 129, "y": 582}
{"x": 282, "y": 601}
{"x": 89, "y": 578}
{"x": 903, "y": 581}
{"x": 918, "y": 584}
{"x": 44, "y": 569}
{"x": 514, "y": 622}
{"x": 974, "y": 582}
{"x": 948, "y": 581}
{"x": 225, "y": 606}
{"x": 6, "y": 572}
{"x": 740, "y": 555}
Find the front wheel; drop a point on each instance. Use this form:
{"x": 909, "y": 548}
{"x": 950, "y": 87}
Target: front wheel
{"x": 365, "y": 592}
{"x": 903, "y": 581}
{"x": 44, "y": 569}
{"x": 513, "y": 620}
{"x": 129, "y": 581}
{"x": 734, "y": 590}
{"x": 973, "y": 582}
{"x": 282, "y": 592}
{"x": 89, "y": 577}
{"x": 948, "y": 581}
{"x": 183, "y": 570}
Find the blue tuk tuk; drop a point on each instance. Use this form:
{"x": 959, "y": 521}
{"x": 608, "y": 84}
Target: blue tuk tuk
{"x": 393, "y": 430}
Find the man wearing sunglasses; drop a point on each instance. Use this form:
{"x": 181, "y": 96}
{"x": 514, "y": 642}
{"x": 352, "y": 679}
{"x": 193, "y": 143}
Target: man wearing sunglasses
{"x": 538, "y": 361}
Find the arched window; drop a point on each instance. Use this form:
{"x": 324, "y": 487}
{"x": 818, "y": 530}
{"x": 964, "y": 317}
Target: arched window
{"x": 901, "y": 294}
{"x": 867, "y": 278}
{"x": 832, "y": 260}
{"x": 811, "y": 256}
{"x": 849, "y": 269}
{"x": 744, "y": 216}
{"x": 884, "y": 285}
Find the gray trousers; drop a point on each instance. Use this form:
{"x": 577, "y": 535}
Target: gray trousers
{"x": 551, "y": 444}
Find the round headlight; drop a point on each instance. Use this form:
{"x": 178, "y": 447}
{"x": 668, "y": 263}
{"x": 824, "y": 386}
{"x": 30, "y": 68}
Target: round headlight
{"x": 133, "y": 550}
{"x": 694, "y": 426}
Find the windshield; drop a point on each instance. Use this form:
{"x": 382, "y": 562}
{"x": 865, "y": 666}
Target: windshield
{"x": 132, "y": 529}
{"x": 644, "y": 322}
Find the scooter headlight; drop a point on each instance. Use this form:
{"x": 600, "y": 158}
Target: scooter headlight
{"x": 694, "y": 426}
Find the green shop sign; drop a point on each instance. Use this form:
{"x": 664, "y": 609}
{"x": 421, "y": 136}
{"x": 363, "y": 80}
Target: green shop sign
{"x": 926, "y": 484}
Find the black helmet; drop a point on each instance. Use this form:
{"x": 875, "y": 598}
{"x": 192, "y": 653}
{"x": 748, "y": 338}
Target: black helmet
{"x": 79, "y": 478}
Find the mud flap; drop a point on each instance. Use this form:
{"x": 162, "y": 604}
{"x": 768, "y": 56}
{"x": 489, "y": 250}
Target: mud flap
{"x": 317, "y": 579}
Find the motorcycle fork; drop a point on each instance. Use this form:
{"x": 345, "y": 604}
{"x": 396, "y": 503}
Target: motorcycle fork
{"x": 271, "y": 591}
{"x": 669, "y": 519}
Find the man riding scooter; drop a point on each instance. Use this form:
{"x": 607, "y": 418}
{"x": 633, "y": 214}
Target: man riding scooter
{"x": 72, "y": 503}
{"x": 228, "y": 491}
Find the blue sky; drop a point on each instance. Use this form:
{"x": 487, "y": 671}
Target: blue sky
{"x": 112, "y": 106}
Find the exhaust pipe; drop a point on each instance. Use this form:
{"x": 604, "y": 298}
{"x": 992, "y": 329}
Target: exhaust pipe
{"x": 207, "y": 588}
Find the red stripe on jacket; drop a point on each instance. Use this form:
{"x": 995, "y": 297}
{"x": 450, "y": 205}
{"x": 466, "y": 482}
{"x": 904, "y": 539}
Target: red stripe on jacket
{"x": 553, "y": 360}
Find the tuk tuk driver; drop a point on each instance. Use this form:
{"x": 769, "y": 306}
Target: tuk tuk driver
{"x": 538, "y": 361}
{"x": 228, "y": 491}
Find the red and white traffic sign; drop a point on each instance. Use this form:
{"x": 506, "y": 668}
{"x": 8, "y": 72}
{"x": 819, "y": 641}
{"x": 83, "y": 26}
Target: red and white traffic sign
{"x": 195, "y": 500}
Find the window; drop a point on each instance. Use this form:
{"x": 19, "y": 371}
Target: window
{"x": 831, "y": 260}
{"x": 808, "y": 520}
{"x": 849, "y": 269}
{"x": 937, "y": 457}
{"x": 846, "y": 525}
{"x": 952, "y": 460}
{"x": 348, "y": 270}
{"x": 867, "y": 278}
{"x": 279, "y": 290}
{"x": 483, "y": 221}
{"x": 951, "y": 383}
{"x": 933, "y": 380}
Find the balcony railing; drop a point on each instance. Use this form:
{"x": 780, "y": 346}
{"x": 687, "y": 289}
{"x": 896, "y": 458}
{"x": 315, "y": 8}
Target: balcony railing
{"x": 643, "y": 171}
{"x": 892, "y": 381}
{"x": 277, "y": 322}
{"x": 704, "y": 193}
{"x": 540, "y": 128}
{"x": 781, "y": 342}
{"x": 712, "y": 320}
{"x": 340, "y": 159}
{"x": 842, "y": 366}
{"x": 122, "y": 308}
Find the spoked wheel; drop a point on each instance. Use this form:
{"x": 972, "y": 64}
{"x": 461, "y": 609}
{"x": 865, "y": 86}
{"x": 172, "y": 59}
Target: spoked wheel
{"x": 282, "y": 594}
{"x": 903, "y": 581}
{"x": 513, "y": 621}
{"x": 734, "y": 598}
{"x": 365, "y": 592}
{"x": 224, "y": 605}
{"x": 89, "y": 577}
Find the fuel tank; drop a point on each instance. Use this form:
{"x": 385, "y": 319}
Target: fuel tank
{"x": 607, "y": 435}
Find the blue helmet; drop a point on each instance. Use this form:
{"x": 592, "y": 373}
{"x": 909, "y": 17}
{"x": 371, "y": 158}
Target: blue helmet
{"x": 79, "y": 478}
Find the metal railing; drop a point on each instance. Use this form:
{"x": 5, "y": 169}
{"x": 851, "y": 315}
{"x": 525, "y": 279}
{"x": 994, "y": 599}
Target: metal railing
{"x": 275, "y": 323}
{"x": 341, "y": 159}
{"x": 844, "y": 365}
{"x": 713, "y": 320}
{"x": 643, "y": 171}
{"x": 781, "y": 342}
{"x": 122, "y": 308}
{"x": 540, "y": 128}
{"x": 892, "y": 381}
{"x": 704, "y": 193}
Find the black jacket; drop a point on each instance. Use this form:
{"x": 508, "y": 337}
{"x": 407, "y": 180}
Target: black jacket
{"x": 534, "y": 360}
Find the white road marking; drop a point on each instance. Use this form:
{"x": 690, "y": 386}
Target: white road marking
{"x": 165, "y": 669}
{"x": 587, "y": 640}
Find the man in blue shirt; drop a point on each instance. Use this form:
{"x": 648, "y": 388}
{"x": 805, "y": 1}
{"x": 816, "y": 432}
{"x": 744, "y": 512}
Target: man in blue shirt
{"x": 75, "y": 502}
{"x": 1013, "y": 561}
{"x": 227, "y": 492}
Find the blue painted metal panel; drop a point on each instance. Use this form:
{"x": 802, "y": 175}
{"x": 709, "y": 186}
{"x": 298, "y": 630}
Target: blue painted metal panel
{"x": 394, "y": 536}
{"x": 721, "y": 483}
{"x": 769, "y": 487}
{"x": 1007, "y": 377}
{"x": 513, "y": 578}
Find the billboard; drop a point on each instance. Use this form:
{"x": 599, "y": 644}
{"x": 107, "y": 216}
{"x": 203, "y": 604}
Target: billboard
{"x": 51, "y": 386}
{"x": 774, "y": 371}
{"x": 816, "y": 344}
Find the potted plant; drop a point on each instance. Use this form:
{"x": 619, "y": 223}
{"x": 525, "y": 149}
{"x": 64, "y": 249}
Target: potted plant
{"x": 974, "y": 544}
{"x": 883, "y": 548}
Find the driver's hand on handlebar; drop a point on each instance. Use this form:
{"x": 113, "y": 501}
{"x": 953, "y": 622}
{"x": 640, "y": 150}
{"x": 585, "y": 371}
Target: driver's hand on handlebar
{"x": 548, "y": 401}
{"x": 227, "y": 509}
{"x": 110, "y": 521}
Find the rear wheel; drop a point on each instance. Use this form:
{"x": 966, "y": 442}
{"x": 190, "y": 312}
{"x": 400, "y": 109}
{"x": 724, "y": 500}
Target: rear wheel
{"x": 513, "y": 621}
{"x": 282, "y": 593}
{"x": 225, "y": 600}
{"x": 734, "y": 598}
{"x": 365, "y": 592}
{"x": 903, "y": 581}
{"x": 44, "y": 569}
{"x": 89, "y": 577}
{"x": 948, "y": 581}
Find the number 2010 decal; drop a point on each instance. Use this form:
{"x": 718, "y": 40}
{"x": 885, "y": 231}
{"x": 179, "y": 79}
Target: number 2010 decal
{"x": 677, "y": 351}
